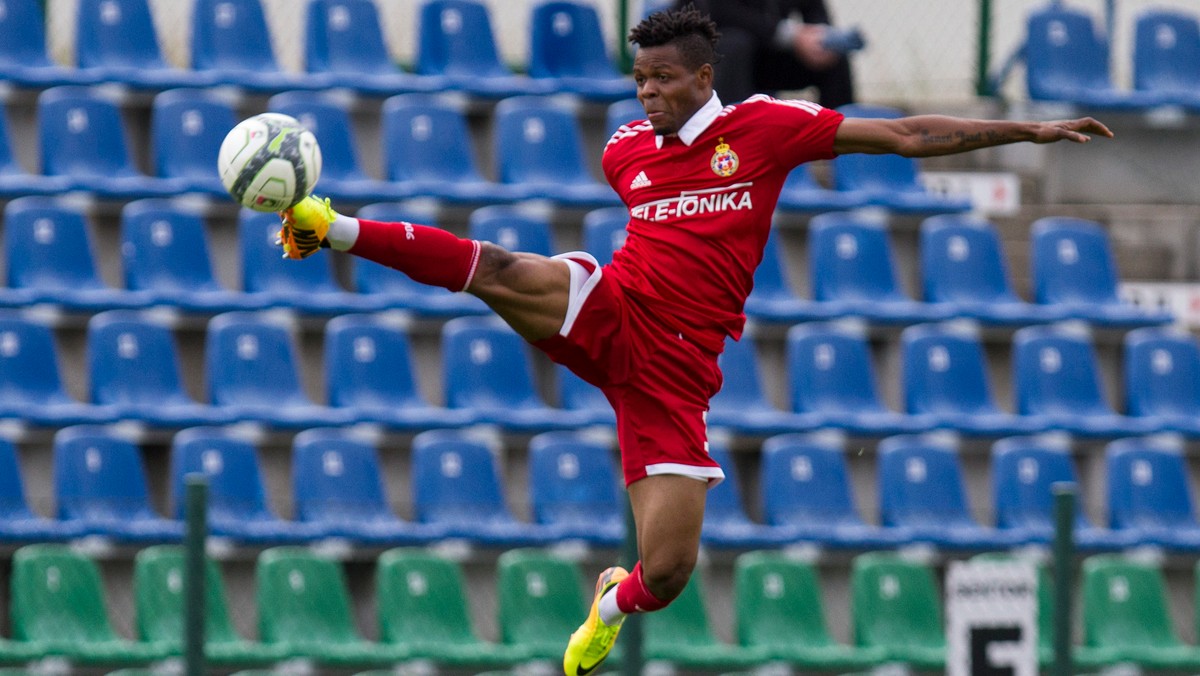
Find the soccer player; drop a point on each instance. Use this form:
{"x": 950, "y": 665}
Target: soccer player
{"x": 701, "y": 180}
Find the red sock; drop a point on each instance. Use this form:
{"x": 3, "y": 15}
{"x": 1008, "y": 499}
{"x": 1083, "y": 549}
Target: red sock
{"x": 634, "y": 597}
{"x": 429, "y": 255}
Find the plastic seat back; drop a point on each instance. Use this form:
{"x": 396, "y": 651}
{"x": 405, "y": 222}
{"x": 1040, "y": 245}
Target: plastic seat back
{"x": 345, "y": 37}
{"x": 724, "y": 503}
{"x": 1148, "y": 485}
{"x": 1064, "y": 54}
{"x": 778, "y": 602}
{"x": 330, "y": 123}
{"x": 455, "y": 479}
{"x": 231, "y": 466}
{"x": 1125, "y": 604}
{"x": 830, "y": 369}
{"x": 770, "y": 277}
{"x": 1024, "y": 471}
{"x": 538, "y": 597}
{"x": 48, "y": 247}
{"x": 873, "y": 173}
{"x": 187, "y": 128}
{"x": 251, "y": 361}
{"x": 623, "y": 112}
{"x": 81, "y": 135}
{"x": 98, "y": 476}
{"x": 335, "y": 476}
{"x": 159, "y": 599}
{"x": 566, "y": 41}
{"x": 944, "y": 371}
{"x": 23, "y": 34}
{"x": 850, "y": 259}
{"x": 486, "y": 366}
{"x": 165, "y": 249}
{"x": 303, "y": 598}
{"x": 572, "y": 480}
{"x": 368, "y": 364}
{"x": 265, "y": 270}
{"x": 743, "y": 393}
{"x": 57, "y": 597}
{"x": 228, "y": 35}
{"x": 426, "y": 139}
{"x": 1072, "y": 262}
{"x": 422, "y": 599}
{"x": 962, "y": 261}
{"x": 116, "y": 33}
{"x": 538, "y": 141}
{"x": 921, "y": 484}
{"x": 1056, "y": 372}
{"x": 1166, "y": 49}
{"x": 512, "y": 229}
{"x": 805, "y": 482}
{"x": 13, "y": 504}
{"x": 894, "y": 602}
{"x": 29, "y": 373}
{"x": 455, "y": 38}
{"x": 604, "y": 232}
{"x": 1162, "y": 373}
{"x": 133, "y": 360}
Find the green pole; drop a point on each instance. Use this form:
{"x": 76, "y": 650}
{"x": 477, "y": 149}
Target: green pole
{"x": 624, "y": 57}
{"x": 985, "y": 49}
{"x": 631, "y": 633}
{"x": 196, "y": 513}
{"x": 1064, "y": 582}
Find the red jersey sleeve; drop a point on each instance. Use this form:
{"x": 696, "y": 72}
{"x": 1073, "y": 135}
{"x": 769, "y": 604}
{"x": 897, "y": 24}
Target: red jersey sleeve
{"x": 799, "y": 131}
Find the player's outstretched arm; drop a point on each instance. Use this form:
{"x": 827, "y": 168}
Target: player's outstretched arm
{"x": 931, "y": 135}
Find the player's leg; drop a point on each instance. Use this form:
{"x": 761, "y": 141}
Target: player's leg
{"x": 528, "y": 291}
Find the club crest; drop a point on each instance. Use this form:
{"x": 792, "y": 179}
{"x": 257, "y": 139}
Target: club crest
{"x": 724, "y": 161}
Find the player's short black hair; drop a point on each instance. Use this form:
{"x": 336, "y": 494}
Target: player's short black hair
{"x": 692, "y": 32}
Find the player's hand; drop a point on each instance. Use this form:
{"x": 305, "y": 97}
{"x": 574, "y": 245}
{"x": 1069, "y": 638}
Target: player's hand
{"x": 808, "y": 43}
{"x": 1075, "y": 131}
{"x": 297, "y": 243}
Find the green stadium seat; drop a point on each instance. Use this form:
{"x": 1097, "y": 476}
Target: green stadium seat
{"x": 158, "y": 603}
{"x": 423, "y": 609}
{"x": 680, "y": 634}
{"x": 57, "y": 608}
{"x": 304, "y": 605}
{"x": 540, "y": 602}
{"x": 778, "y": 609}
{"x": 895, "y": 606}
{"x": 1125, "y": 612}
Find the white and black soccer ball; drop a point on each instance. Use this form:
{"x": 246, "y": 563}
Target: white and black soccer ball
{"x": 269, "y": 162}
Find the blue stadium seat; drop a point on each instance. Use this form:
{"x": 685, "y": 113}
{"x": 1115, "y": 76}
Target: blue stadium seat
{"x": 488, "y": 372}
{"x": 963, "y": 269}
{"x": 187, "y": 128}
{"x": 831, "y": 375}
{"x": 229, "y": 45}
{"x": 623, "y": 112}
{"x": 566, "y": 47}
{"x": 888, "y": 181}
{"x": 100, "y": 485}
{"x": 338, "y": 487}
{"x": 1162, "y": 378}
{"x": 1024, "y": 471}
{"x": 583, "y": 398}
{"x": 49, "y": 255}
{"x": 345, "y": 44}
{"x": 1073, "y": 266}
{"x": 726, "y": 525}
{"x": 456, "y": 486}
{"x": 82, "y": 139}
{"x": 1150, "y": 493}
{"x": 237, "y": 502}
{"x": 604, "y": 232}
{"x": 802, "y": 193}
{"x": 115, "y": 41}
{"x": 455, "y": 41}
{"x": 1055, "y": 377}
{"x": 539, "y": 151}
{"x": 427, "y": 150}
{"x": 742, "y": 405}
{"x": 272, "y": 280}
{"x": 165, "y": 254}
{"x": 852, "y": 269}
{"x": 15, "y": 181}
{"x": 134, "y": 368}
{"x": 369, "y": 375}
{"x": 921, "y": 491}
{"x": 806, "y": 491}
{"x": 1066, "y": 60}
{"x": 1166, "y": 49}
{"x": 512, "y": 228}
{"x": 342, "y": 177}
{"x": 31, "y": 390}
{"x": 945, "y": 378}
{"x": 772, "y": 299}
{"x": 574, "y": 490}
{"x": 23, "y": 59}
{"x": 251, "y": 368}
{"x": 395, "y": 290}
{"x": 18, "y": 523}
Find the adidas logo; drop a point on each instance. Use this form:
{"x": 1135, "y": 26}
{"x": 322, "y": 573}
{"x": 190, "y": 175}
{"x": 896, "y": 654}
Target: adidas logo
{"x": 640, "y": 181}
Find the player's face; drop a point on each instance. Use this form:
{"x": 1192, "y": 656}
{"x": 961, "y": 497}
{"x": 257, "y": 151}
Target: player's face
{"x": 669, "y": 91}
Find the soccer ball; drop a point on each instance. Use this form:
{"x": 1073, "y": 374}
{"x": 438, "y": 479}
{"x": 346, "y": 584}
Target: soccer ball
{"x": 269, "y": 162}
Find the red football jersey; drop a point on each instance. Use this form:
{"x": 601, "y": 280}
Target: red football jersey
{"x": 700, "y": 212}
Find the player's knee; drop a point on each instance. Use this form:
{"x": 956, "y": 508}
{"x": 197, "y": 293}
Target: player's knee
{"x": 667, "y": 579}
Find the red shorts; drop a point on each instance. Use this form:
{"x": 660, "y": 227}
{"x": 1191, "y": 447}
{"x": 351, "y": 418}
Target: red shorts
{"x": 658, "y": 382}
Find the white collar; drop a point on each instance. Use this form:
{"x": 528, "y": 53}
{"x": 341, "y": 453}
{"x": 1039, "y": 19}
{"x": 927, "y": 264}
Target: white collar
{"x": 697, "y": 123}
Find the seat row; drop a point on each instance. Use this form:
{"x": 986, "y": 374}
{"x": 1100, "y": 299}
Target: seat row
{"x": 457, "y": 493}
{"x": 851, "y": 267}
{"x": 1067, "y": 60}
{"x": 305, "y": 610}
{"x": 344, "y": 45}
